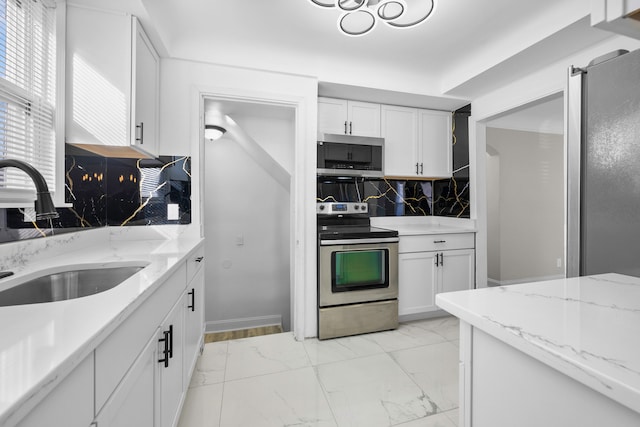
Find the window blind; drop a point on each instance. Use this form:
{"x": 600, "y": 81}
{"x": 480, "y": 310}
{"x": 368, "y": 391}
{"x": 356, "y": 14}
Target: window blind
{"x": 27, "y": 93}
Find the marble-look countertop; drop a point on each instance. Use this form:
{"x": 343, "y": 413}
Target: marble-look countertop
{"x": 585, "y": 327}
{"x": 419, "y": 229}
{"x": 42, "y": 343}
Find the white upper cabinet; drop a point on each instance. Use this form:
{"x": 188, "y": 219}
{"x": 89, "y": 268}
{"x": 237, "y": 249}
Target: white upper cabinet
{"x": 112, "y": 81}
{"x": 436, "y": 145}
{"x": 418, "y": 142}
{"x": 146, "y": 87}
{"x": 348, "y": 117}
{"x": 400, "y": 133}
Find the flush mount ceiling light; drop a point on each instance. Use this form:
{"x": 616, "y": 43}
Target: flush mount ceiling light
{"x": 361, "y": 16}
{"x": 213, "y": 132}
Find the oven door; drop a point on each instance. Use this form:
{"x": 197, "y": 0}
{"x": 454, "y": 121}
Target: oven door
{"x": 355, "y": 271}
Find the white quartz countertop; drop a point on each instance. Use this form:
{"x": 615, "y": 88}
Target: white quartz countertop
{"x": 419, "y": 229}
{"x": 587, "y": 328}
{"x": 42, "y": 343}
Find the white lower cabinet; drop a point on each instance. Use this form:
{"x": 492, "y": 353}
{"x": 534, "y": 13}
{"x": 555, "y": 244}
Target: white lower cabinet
{"x": 133, "y": 403}
{"x": 170, "y": 371}
{"x": 70, "y": 404}
{"x": 194, "y": 323}
{"x": 431, "y": 264}
{"x": 416, "y": 282}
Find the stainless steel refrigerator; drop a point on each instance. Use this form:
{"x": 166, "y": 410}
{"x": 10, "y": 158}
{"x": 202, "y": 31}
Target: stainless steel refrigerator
{"x": 603, "y": 157}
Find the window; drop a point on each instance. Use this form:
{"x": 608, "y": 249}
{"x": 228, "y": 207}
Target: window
{"x": 27, "y": 93}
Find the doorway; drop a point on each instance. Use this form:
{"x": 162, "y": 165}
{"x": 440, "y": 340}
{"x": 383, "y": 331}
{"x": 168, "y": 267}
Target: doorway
{"x": 247, "y": 215}
{"x": 525, "y": 193}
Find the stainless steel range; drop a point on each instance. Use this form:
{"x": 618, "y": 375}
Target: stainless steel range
{"x": 357, "y": 272}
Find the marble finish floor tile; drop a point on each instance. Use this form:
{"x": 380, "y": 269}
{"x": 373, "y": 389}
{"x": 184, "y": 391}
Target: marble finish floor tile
{"x": 202, "y": 407}
{"x": 408, "y": 335}
{"x": 211, "y": 365}
{"x": 407, "y": 377}
{"x": 372, "y": 391}
{"x": 437, "y": 420}
{"x": 435, "y": 369}
{"x": 291, "y": 398}
{"x": 447, "y": 327}
{"x": 262, "y": 355}
{"x": 339, "y": 349}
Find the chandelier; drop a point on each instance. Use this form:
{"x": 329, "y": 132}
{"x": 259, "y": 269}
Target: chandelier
{"x": 361, "y": 16}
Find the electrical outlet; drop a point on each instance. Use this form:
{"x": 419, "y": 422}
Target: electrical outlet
{"x": 559, "y": 262}
{"x": 239, "y": 240}
{"x": 173, "y": 211}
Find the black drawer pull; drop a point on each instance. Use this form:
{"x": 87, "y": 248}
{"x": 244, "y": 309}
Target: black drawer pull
{"x": 199, "y": 259}
{"x": 165, "y": 350}
{"x": 192, "y": 292}
{"x": 170, "y": 341}
{"x": 439, "y": 241}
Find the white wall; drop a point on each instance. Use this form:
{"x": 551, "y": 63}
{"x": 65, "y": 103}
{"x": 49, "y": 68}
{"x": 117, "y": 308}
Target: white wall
{"x": 247, "y": 229}
{"x": 530, "y": 196}
{"x": 182, "y": 87}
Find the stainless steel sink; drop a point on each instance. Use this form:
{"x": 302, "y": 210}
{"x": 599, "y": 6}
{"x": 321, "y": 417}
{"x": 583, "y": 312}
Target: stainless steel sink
{"x": 65, "y": 285}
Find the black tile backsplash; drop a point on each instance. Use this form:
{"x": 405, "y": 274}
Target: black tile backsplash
{"x": 110, "y": 191}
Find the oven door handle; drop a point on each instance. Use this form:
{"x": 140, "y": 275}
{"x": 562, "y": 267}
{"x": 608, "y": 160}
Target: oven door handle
{"x": 359, "y": 241}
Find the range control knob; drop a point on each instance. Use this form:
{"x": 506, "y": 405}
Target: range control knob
{"x": 321, "y": 207}
{"x": 364, "y": 207}
{"x": 356, "y": 207}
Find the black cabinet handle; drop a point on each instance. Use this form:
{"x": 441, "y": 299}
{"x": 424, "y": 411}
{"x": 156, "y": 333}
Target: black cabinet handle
{"x": 350, "y": 128}
{"x": 199, "y": 259}
{"x": 345, "y": 127}
{"x": 192, "y": 292}
{"x": 439, "y": 241}
{"x": 141, "y": 127}
{"x": 416, "y": 168}
{"x": 165, "y": 351}
{"x": 437, "y": 260}
{"x": 170, "y": 341}
{"x": 441, "y": 259}
{"x": 421, "y": 169}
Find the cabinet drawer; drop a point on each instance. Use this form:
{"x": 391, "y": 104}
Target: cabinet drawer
{"x": 117, "y": 353}
{"x": 194, "y": 262}
{"x": 436, "y": 242}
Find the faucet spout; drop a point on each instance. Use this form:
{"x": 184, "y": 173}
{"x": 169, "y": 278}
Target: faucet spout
{"x": 45, "y": 209}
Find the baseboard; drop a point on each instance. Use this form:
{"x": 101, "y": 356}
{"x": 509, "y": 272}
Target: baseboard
{"x": 242, "y": 323}
{"x": 421, "y": 316}
{"x": 493, "y": 282}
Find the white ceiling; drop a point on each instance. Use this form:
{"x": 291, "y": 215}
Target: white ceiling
{"x": 465, "y": 49}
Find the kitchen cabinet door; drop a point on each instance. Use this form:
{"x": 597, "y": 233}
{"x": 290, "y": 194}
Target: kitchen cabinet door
{"x": 364, "y": 118}
{"x": 417, "y": 275}
{"x": 69, "y": 404}
{"x": 458, "y": 270}
{"x": 332, "y": 115}
{"x": 435, "y": 144}
{"x": 134, "y": 401}
{"x": 194, "y": 323}
{"x": 98, "y": 77}
{"x": 146, "y": 81}
{"x": 344, "y": 117}
{"x": 400, "y": 133}
{"x": 170, "y": 377}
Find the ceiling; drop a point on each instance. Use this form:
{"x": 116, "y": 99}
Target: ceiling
{"x": 545, "y": 116}
{"x": 465, "y": 49}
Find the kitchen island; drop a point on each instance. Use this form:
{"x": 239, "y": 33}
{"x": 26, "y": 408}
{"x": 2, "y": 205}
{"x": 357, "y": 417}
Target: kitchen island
{"x": 556, "y": 353}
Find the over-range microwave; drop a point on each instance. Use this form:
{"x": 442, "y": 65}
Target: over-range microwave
{"x": 348, "y": 155}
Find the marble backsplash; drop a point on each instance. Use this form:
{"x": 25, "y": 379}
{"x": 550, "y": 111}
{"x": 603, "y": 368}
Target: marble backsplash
{"x": 110, "y": 191}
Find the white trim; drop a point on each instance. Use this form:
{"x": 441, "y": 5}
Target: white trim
{"x": 303, "y": 240}
{"x": 242, "y": 323}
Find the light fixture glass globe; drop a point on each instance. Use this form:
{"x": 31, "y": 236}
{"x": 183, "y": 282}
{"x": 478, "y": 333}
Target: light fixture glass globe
{"x": 213, "y": 132}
